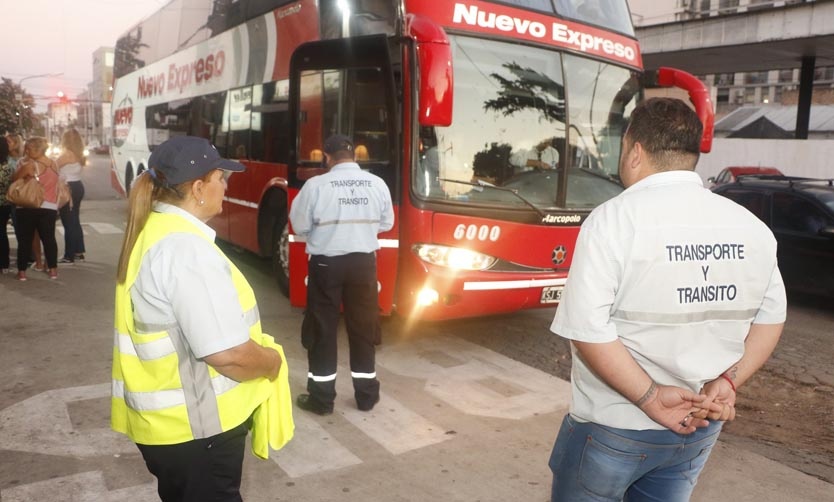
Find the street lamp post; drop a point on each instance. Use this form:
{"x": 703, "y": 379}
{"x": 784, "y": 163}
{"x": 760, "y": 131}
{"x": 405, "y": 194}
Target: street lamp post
{"x": 19, "y": 97}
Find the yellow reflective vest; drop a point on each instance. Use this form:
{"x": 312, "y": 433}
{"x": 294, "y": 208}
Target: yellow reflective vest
{"x": 162, "y": 394}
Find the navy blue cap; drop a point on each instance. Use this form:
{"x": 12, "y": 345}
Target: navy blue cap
{"x": 186, "y": 158}
{"x": 337, "y": 143}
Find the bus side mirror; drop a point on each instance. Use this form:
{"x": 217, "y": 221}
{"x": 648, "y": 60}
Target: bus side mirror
{"x": 698, "y": 95}
{"x": 434, "y": 61}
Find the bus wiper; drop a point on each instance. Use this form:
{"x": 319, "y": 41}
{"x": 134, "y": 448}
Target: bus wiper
{"x": 481, "y": 184}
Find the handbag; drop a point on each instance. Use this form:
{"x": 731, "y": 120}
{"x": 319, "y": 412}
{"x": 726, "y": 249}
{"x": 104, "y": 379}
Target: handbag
{"x": 26, "y": 192}
{"x": 64, "y": 194}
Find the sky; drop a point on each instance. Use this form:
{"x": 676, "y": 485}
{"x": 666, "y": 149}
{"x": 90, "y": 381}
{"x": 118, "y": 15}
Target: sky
{"x": 59, "y": 36}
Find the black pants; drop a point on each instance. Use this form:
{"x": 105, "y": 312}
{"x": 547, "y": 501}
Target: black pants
{"x": 71, "y": 219}
{"x": 5, "y": 214}
{"x": 42, "y": 220}
{"x": 333, "y": 281}
{"x": 202, "y": 470}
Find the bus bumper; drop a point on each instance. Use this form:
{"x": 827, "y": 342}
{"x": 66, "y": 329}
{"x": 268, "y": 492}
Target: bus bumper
{"x": 479, "y": 294}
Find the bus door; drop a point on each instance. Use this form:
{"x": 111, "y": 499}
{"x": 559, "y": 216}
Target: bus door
{"x": 345, "y": 86}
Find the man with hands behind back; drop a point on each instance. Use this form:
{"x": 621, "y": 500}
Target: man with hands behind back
{"x": 673, "y": 301}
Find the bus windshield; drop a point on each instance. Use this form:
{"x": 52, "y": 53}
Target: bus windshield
{"x": 544, "y": 124}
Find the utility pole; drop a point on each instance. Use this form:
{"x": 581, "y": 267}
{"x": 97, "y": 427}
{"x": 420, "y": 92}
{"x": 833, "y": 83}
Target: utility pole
{"x": 19, "y": 96}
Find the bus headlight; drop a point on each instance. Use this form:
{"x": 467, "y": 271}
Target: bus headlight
{"x": 453, "y": 257}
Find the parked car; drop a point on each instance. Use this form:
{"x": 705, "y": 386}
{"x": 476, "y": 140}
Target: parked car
{"x": 731, "y": 174}
{"x": 800, "y": 212}
{"x": 102, "y": 149}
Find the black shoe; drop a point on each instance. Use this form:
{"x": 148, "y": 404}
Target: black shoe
{"x": 367, "y": 406}
{"x": 307, "y": 403}
{"x": 79, "y": 256}
{"x": 66, "y": 260}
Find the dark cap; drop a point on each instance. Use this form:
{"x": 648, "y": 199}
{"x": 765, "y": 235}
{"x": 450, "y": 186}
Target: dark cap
{"x": 186, "y": 158}
{"x": 337, "y": 143}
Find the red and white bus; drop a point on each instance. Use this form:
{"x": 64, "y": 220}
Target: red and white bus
{"x": 496, "y": 125}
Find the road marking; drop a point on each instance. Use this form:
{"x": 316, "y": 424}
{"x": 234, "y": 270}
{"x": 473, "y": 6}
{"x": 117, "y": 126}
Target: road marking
{"x": 466, "y": 376}
{"x": 476, "y": 380}
{"x": 42, "y": 424}
{"x": 390, "y": 423}
{"x": 312, "y": 449}
{"x": 98, "y": 227}
{"x": 104, "y": 228}
{"x": 82, "y": 487}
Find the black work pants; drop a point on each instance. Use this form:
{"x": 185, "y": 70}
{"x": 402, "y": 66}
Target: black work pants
{"x": 334, "y": 281}
{"x": 201, "y": 470}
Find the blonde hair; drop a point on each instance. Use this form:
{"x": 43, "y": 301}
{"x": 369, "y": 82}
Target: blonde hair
{"x": 144, "y": 192}
{"x": 15, "y": 145}
{"x": 71, "y": 140}
{"x": 39, "y": 143}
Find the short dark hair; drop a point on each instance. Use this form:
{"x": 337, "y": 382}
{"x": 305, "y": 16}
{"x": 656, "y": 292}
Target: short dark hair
{"x": 667, "y": 129}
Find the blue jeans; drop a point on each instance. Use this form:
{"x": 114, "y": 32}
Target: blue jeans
{"x": 592, "y": 462}
{"x": 71, "y": 219}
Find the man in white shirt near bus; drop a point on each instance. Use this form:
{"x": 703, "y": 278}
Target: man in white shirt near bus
{"x": 673, "y": 301}
{"x": 340, "y": 214}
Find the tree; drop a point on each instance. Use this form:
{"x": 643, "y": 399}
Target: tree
{"x": 10, "y": 106}
{"x": 529, "y": 90}
{"x": 126, "y": 54}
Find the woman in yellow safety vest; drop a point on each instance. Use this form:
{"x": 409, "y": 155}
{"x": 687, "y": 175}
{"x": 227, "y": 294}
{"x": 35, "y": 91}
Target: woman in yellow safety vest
{"x": 191, "y": 366}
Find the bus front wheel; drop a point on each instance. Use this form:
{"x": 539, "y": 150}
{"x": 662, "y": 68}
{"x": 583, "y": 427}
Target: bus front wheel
{"x": 281, "y": 254}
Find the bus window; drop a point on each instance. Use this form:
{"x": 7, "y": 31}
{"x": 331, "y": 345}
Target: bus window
{"x": 239, "y": 120}
{"x": 194, "y": 24}
{"x": 200, "y": 116}
{"x": 168, "y": 40}
{"x": 364, "y": 17}
{"x": 602, "y": 97}
{"x": 270, "y": 125}
{"x": 351, "y": 102}
{"x": 609, "y": 14}
{"x": 166, "y": 120}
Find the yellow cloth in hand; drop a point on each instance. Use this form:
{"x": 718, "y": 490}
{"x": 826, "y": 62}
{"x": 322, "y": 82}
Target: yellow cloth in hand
{"x": 272, "y": 423}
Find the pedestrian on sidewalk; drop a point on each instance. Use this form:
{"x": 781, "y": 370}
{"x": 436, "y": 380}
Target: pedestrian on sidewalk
{"x": 71, "y": 162}
{"x": 6, "y": 171}
{"x": 37, "y": 224}
{"x": 190, "y": 372}
{"x": 340, "y": 214}
{"x": 673, "y": 301}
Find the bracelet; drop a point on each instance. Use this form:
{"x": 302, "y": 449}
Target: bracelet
{"x": 725, "y": 377}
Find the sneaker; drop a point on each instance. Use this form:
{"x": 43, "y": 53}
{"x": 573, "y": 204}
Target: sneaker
{"x": 367, "y": 406}
{"x": 39, "y": 268}
{"x": 5, "y": 270}
{"x": 79, "y": 257}
{"x": 307, "y": 403}
{"x": 53, "y": 273}
{"x": 21, "y": 276}
{"x": 66, "y": 260}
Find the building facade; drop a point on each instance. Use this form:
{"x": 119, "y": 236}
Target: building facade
{"x": 733, "y": 90}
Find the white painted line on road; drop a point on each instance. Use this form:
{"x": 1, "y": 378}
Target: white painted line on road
{"x": 476, "y": 380}
{"x": 82, "y": 487}
{"x": 312, "y": 449}
{"x": 99, "y": 227}
{"x": 390, "y": 423}
{"x": 104, "y": 228}
{"x": 42, "y": 425}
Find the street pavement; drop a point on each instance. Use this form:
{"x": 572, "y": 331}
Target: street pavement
{"x": 456, "y": 422}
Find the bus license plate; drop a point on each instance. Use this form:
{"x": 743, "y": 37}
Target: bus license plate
{"x": 552, "y": 294}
